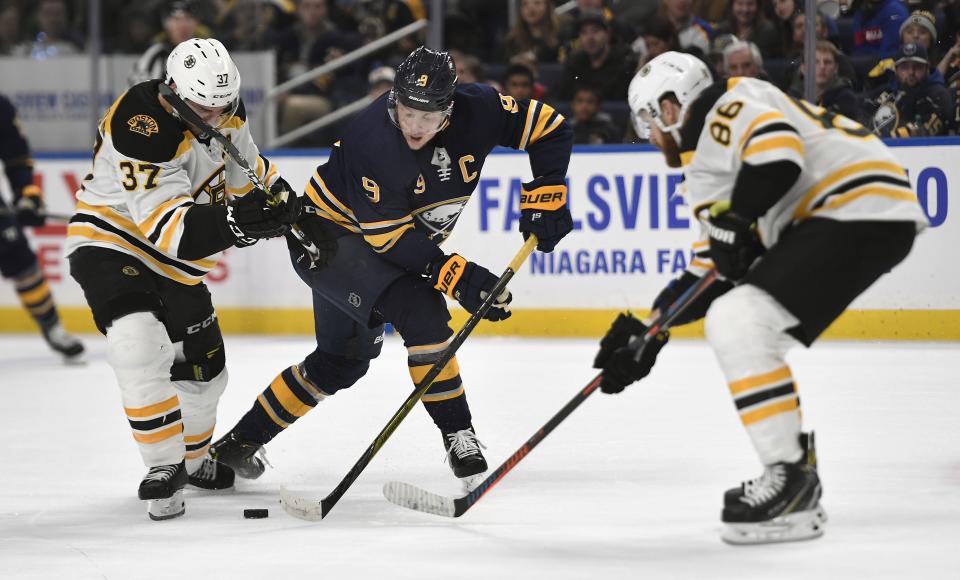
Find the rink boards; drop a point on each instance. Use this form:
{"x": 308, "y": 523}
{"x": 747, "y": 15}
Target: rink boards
{"x": 631, "y": 236}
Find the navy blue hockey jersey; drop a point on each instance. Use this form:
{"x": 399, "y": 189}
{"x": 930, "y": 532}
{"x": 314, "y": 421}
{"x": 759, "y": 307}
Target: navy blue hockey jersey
{"x": 405, "y": 202}
{"x": 15, "y": 152}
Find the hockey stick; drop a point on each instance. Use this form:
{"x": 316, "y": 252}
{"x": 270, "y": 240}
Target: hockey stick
{"x": 193, "y": 118}
{"x": 57, "y": 217}
{"x": 311, "y": 509}
{"x": 416, "y": 498}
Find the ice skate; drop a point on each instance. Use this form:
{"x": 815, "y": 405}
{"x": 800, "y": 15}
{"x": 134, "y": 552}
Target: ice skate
{"x": 65, "y": 344}
{"x": 212, "y": 476}
{"x": 466, "y": 459}
{"x": 246, "y": 458}
{"x": 782, "y": 505}
{"x": 162, "y": 488}
{"x": 807, "y": 443}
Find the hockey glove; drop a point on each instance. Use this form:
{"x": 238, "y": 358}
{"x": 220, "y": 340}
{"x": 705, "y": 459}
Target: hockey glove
{"x": 30, "y": 208}
{"x": 469, "y": 284}
{"x": 258, "y": 214}
{"x": 313, "y": 228}
{"x": 619, "y": 360}
{"x": 544, "y": 212}
{"x": 734, "y": 244}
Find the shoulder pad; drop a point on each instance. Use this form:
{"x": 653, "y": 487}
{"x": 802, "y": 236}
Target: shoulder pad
{"x": 141, "y": 128}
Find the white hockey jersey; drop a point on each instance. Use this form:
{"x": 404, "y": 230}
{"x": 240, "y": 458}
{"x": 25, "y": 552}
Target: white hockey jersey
{"x": 148, "y": 170}
{"x": 847, "y": 173}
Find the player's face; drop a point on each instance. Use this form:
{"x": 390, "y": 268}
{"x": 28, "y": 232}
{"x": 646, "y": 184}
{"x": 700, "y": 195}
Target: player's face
{"x": 670, "y": 113}
{"x": 418, "y": 127}
{"x": 211, "y": 115}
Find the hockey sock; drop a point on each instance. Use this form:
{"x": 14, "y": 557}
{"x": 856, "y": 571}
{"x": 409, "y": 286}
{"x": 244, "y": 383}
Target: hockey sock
{"x": 769, "y": 408}
{"x": 290, "y": 396}
{"x": 445, "y": 399}
{"x": 198, "y": 401}
{"x": 34, "y": 294}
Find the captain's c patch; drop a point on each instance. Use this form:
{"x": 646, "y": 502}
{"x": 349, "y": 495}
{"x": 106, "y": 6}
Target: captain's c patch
{"x": 143, "y": 124}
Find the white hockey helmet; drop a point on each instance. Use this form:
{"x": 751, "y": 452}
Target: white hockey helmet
{"x": 683, "y": 75}
{"x": 204, "y": 72}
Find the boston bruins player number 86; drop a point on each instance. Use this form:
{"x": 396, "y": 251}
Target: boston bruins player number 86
{"x": 801, "y": 211}
{"x": 160, "y": 204}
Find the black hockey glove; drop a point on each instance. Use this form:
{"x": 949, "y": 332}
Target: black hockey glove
{"x": 619, "y": 360}
{"x": 544, "y": 212}
{"x": 314, "y": 228}
{"x": 258, "y": 214}
{"x": 734, "y": 244}
{"x": 469, "y": 284}
{"x": 30, "y": 208}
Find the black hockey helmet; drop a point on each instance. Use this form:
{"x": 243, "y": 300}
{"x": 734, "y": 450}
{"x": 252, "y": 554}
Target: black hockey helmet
{"x": 425, "y": 81}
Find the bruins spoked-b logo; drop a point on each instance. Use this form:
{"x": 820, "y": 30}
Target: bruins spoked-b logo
{"x": 143, "y": 124}
{"x": 130, "y": 271}
{"x": 189, "y": 61}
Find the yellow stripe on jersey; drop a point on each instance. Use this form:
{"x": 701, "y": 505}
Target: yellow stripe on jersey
{"x": 543, "y": 117}
{"x": 383, "y": 242}
{"x": 870, "y": 189}
{"x": 761, "y": 119}
{"x": 553, "y": 126}
{"x": 185, "y": 145}
{"x": 763, "y": 380}
{"x": 386, "y": 223}
{"x": 686, "y": 158}
{"x": 109, "y": 116}
{"x": 328, "y": 212}
{"x": 857, "y": 169}
{"x": 172, "y": 227}
{"x": 122, "y": 223}
{"x": 781, "y": 141}
{"x": 527, "y": 124}
{"x": 89, "y": 233}
{"x": 147, "y": 224}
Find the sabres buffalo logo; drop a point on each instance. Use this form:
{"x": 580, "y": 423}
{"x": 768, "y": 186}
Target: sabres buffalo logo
{"x": 438, "y": 220}
{"x": 143, "y": 124}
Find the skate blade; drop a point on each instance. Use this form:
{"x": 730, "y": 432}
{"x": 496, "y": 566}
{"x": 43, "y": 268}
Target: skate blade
{"x": 805, "y": 525}
{"x": 167, "y": 508}
{"x": 77, "y": 360}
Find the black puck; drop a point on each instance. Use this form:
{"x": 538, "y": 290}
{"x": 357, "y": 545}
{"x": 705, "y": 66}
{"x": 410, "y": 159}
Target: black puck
{"x": 255, "y": 514}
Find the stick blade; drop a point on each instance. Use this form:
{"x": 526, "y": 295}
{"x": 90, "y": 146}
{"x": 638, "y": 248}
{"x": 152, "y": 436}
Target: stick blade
{"x": 300, "y": 507}
{"x": 421, "y": 500}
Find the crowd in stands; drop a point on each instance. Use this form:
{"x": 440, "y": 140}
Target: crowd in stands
{"x": 893, "y": 65}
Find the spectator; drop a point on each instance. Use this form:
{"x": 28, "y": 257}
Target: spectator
{"x": 250, "y": 24}
{"x": 743, "y": 59}
{"x": 918, "y": 28}
{"x": 518, "y": 82}
{"x": 794, "y": 48}
{"x": 591, "y": 126}
{"x": 658, "y": 36}
{"x": 9, "y": 28}
{"x": 137, "y": 33}
{"x": 537, "y": 32}
{"x": 597, "y": 63}
{"x": 310, "y": 42}
{"x": 469, "y": 68}
{"x": 636, "y": 13}
{"x": 53, "y": 37}
{"x": 834, "y": 92}
{"x": 380, "y": 80}
{"x": 746, "y": 21}
{"x": 912, "y": 104}
{"x": 620, "y": 32}
{"x": 720, "y": 44}
{"x": 525, "y": 60}
{"x": 876, "y": 27}
{"x": 692, "y": 31}
{"x": 179, "y": 24}
{"x": 710, "y": 10}
{"x": 783, "y": 11}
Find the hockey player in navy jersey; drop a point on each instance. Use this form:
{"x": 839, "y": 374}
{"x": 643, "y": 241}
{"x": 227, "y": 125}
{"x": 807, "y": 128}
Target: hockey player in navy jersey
{"x": 801, "y": 211}
{"x": 17, "y": 260}
{"x": 391, "y": 192}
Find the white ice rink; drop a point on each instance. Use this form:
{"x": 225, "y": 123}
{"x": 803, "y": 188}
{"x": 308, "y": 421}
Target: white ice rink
{"x": 629, "y": 486}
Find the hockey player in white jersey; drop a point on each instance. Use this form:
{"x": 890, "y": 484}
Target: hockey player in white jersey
{"x": 160, "y": 204}
{"x": 801, "y": 211}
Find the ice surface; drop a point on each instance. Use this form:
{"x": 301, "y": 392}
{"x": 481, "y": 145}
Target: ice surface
{"x": 628, "y": 486}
